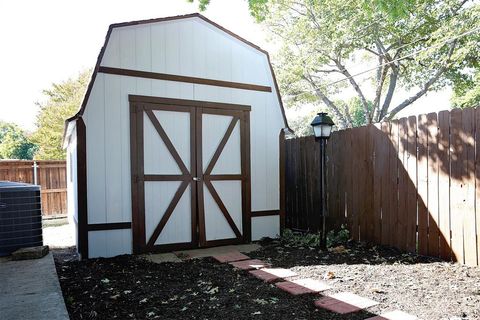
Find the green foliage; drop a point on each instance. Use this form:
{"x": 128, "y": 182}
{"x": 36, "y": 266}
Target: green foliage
{"x": 63, "y": 101}
{"x": 339, "y": 237}
{"x": 297, "y": 239}
{"x": 467, "y": 90}
{"x": 15, "y": 143}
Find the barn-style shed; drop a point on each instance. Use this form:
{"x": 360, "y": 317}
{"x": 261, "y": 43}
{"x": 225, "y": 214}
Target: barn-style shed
{"x": 176, "y": 144}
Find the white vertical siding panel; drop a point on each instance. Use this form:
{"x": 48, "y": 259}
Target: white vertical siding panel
{"x": 111, "y": 56}
{"x": 109, "y": 243}
{"x": 127, "y": 48}
{"x": 158, "y": 52}
{"x": 186, "y": 45}
{"x": 95, "y": 123}
{"x": 172, "y": 48}
{"x": 186, "y": 57}
{"x": 144, "y": 87}
{"x": 97, "y": 244}
{"x": 128, "y": 86}
{"x": 260, "y": 177}
{"x": 113, "y": 149}
{"x": 143, "y": 51}
{"x": 268, "y": 226}
{"x": 200, "y": 56}
{"x": 72, "y": 196}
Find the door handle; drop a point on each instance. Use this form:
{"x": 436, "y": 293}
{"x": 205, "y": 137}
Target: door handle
{"x": 196, "y": 179}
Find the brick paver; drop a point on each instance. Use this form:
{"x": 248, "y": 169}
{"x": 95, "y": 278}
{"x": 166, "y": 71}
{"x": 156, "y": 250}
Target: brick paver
{"x": 394, "y": 315}
{"x": 250, "y": 264}
{"x": 344, "y": 302}
{"x": 230, "y": 257}
{"x": 303, "y": 286}
{"x": 272, "y": 274}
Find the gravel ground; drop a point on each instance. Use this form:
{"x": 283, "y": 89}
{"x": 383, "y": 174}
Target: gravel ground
{"x": 422, "y": 286}
{"x": 59, "y": 236}
{"x": 128, "y": 287}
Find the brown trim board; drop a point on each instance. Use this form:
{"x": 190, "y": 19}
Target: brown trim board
{"x": 187, "y": 79}
{"x": 133, "y": 23}
{"x": 146, "y": 100}
{"x": 109, "y": 226}
{"x": 265, "y": 213}
{"x": 82, "y": 189}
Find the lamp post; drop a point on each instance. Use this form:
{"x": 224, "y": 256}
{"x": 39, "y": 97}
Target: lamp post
{"x": 322, "y": 128}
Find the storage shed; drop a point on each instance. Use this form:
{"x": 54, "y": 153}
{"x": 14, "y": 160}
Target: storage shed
{"x": 176, "y": 143}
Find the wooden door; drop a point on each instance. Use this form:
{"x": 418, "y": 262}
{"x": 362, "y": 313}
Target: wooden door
{"x": 163, "y": 164}
{"x": 223, "y": 172}
{"x": 190, "y": 174}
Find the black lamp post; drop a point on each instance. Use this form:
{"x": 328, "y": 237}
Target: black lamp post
{"x": 322, "y": 127}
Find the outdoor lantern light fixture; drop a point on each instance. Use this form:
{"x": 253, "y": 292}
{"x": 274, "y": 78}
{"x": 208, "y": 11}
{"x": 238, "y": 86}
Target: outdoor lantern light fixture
{"x": 322, "y": 126}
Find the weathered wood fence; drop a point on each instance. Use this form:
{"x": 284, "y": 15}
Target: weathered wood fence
{"x": 51, "y": 175}
{"x": 413, "y": 183}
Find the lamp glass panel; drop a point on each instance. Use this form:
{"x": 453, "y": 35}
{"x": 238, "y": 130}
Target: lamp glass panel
{"x": 317, "y": 130}
{"x": 326, "y": 129}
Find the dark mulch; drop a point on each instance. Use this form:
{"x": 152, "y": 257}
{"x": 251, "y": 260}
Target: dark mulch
{"x": 128, "y": 287}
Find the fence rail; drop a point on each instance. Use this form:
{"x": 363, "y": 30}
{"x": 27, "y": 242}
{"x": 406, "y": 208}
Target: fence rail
{"x": 412, "y": 183}
{"x": 51, "y": 175}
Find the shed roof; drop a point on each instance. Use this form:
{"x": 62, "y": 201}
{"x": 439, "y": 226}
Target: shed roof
{"x": 140, "y": 22}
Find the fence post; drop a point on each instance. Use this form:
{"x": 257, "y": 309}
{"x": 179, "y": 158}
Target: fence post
{"x": 35, "y": 167}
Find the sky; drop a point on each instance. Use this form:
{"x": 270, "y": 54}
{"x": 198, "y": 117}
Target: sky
{"x": 48, "y": 41}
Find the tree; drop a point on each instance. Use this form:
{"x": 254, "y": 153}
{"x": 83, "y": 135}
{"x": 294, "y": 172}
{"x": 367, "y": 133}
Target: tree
{"x": 418, "y": 45}
{"x": 424, "y": 51}
{"x": 15, "y": 143}
{"x": 63, "y": 100}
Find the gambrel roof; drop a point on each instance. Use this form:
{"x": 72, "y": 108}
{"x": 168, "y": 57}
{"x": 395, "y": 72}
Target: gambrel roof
{"x": 171, "y": 77}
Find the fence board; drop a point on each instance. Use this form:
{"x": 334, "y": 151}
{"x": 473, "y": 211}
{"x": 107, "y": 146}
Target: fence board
{"x": 444, "y": 180}
{"x": 51, "y": 176}
{"x": 457, "y": 194}
{"x": 468, "y": 185}
{"x": 433, "y": 188}
{"x": 422, "y": 181}
{"x": 477, "y": 180}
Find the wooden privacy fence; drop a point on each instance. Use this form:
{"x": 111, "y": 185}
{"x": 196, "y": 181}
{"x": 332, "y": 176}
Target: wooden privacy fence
{"x": 412, "y": 183}
{"x": 51, "y": 175}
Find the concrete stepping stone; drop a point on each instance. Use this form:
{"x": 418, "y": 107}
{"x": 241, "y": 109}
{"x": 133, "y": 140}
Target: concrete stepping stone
{"x": 302, "y": 286}
{"x": 272, "y": 274}
{"x": 230, "y": 257}
{"x": 250, "y": 264}
{"x": 394, "y": 315}
{"x": 344, "y": 302}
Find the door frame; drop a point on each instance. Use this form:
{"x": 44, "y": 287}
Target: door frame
{"x": 140, "y": 104}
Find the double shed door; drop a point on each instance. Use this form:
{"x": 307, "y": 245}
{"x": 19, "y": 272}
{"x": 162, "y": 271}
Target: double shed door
{"x": 190, "y": 174}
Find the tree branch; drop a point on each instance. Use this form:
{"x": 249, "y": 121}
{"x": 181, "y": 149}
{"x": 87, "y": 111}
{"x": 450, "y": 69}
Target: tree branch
{"x": 345, "y": 119}
{"x": 391, "y": 89}
{"x": 357, "y": 89}
{"x": 426, "y": 86}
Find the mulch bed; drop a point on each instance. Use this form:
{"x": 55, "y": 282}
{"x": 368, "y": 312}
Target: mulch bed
{"x": 129, "y": 287}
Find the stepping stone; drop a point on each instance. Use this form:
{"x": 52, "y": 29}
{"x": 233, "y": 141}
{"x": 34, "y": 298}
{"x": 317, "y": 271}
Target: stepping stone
{"x": 30, "y": 253}
{"x": 302, "y": 286}
{"x": 394, "y": 315}
{"x": 230, "y": 257}
{"x": 344, "y": 302}
{"x": 271, "y": 275}
{"x": 250, "y": 264}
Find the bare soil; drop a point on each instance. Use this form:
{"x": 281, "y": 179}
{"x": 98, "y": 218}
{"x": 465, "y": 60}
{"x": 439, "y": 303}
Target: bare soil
{"x": 129, "y": 287}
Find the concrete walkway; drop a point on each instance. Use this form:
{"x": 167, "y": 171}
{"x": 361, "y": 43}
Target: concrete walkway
{"x": 29, "y": 289}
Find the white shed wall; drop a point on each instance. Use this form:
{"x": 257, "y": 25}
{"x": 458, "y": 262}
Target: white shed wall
{"x": 72, "y": 195}
{"x": 189, "y": 47}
